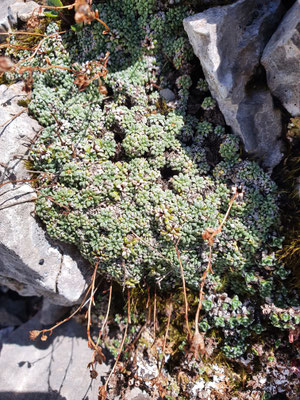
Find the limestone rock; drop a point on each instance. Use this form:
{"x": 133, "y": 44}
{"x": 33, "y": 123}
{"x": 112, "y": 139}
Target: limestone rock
{"x": 51, "y": 370}
{"x": 214, "y": 3}
{"x": 51, "y": 313}
{"x": 12, "y": 10}
{"x": 229, "y": 42}
{"x": 4, "y": 20}
{"x": 23, "y": 11}
{"x": 281, "y": 59}
{"x": 30, "y": 263}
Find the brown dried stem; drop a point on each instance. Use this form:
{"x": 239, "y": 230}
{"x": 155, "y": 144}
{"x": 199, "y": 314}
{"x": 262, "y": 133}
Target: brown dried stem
{"x": 170, "y": 309}
{"x": 197, "y": 342}
{"x": 148, "y": 306}
{"x": 13, "y": 117}
{"x": 106, "y": 316}
{"x": 20, "y": 181}
{"x": 52, "y": 199}
{"x": 184, "y": 291}
{"x": 122, "y": 343}
{"x": 91, "y": 343}
{"x": 25, "y": 33}
{"x": 154, "y": 316}
{"x": 34, "y": 334}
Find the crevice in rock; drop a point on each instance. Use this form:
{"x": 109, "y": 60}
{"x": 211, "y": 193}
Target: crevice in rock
{"x": 167, "y": 173}
{"x": 258, "y": 80}
{"x": 288, "y": 3}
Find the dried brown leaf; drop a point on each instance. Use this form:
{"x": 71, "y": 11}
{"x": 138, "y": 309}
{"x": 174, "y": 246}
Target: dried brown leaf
{"x": 6, "y": 64}
{"x": 197, "y": 346}
{"x": 102, "y": 393}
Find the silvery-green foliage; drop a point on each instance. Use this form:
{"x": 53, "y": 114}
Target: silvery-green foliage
{"x": 127, "y": 180}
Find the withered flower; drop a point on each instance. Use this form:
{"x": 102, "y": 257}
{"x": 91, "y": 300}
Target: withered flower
{"x": 102, "y": 90}
{"x": 99, "y": 356}
{"x": 33, "y": 22}
{"x": 82, "y": 81}
{"x": 93, "y": 374}
{"x": 102, "y": 393}
{"x": 83, "y": 12}
{"x": 44, "y": 337}
{"x": 34, "y": 334}
{"x": 207, "y": 234}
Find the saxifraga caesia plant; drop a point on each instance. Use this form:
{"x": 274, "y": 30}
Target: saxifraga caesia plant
{"x": 133, "y": 183}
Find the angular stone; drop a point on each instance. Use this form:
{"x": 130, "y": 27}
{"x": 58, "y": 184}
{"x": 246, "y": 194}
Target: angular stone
{"x": 12, "y": 10}
{"x": 23, "y": 11}
{"x": 55, "y": 369}
{"x": 30, "y": 262}
{"x": 229, "y": 42}
{"x": 167, "y": 94}
{"x": 51, "y": 370}
{"x": 281, "y": 59}
{"x": 52, "y": 313}
{"x": 4, "y": 20}
{"x": 214, "y": 3}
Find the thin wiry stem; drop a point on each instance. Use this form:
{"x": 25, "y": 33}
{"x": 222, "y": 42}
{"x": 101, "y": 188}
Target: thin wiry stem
{"x": 170, "y": 308}
{"x": 184, "y": 291}
{"x": 148, "y": 306}
{"x": 154, "y": 316}
{"x": 197, "y": 342}
{"x": 201, "y": 291}
{"x": 24, "y": 33}
{"x": 122, "y": 343}
{"x": 13, "y": 117}
{"x": 35, "y": 334}
{"x": 106, "y": 316}
{"x": 20, "y": 181}
{"x": 91, "y": 343}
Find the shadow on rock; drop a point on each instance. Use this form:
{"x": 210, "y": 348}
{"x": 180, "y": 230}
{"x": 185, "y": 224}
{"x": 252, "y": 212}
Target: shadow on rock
{"x": 31, "y": 396}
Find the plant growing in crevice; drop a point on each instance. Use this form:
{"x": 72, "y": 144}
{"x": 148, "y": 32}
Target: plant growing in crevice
{"x": 144, "y": 191}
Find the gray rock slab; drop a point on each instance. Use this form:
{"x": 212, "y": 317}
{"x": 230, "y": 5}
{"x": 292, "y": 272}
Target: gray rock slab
{"x": 52, "y": 370}
{"x": 30, "y": 262}
{"x": 167, "y": 94}
{"x": 23, "y": 11}
{"x": 13, "y": 10}
{"x": 229, "y": 42}
{"x": 281, "y": 59}
{"x": 6, "y": 20}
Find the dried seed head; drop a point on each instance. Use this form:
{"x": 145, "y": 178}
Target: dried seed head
{"x": 34, "y": 334}
{"x": 102, "y": 393}
{"x": 93, "y": 374}
{"x": 83, "y": 12}
{"x": 102, "y": 90}
{"x": 206, "y": 235}
{"x": 33, "y": 22}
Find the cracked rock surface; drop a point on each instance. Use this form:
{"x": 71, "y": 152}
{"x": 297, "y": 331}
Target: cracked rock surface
{"x": 281, "y": 59}
{"x": 13, "y": 10}
{"x": 30, "y": 263}
{"x": 229, "y": 42}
